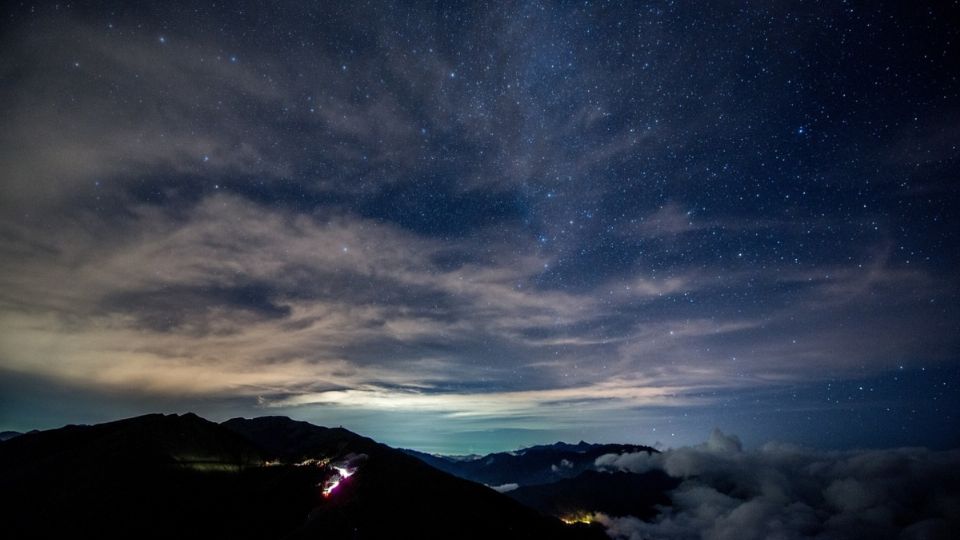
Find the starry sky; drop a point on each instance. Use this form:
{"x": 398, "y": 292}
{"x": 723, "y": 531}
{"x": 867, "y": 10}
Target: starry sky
{"x": 466, "y": 227}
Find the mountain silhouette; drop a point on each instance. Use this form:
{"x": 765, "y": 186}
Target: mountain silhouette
{"x": 612, "y": 493}
{"x": 7, "y": 435}
{"x": 180, "y": 476}
{"x": 534, "y": 465}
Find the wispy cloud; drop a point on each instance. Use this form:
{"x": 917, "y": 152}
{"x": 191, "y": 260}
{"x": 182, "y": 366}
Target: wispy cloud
{"x": 387, "y": 221}
{"x": 234, "y": 298}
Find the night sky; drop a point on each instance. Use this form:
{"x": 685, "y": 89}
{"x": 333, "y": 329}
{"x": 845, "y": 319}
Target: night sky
{"x": 473, "y": 227}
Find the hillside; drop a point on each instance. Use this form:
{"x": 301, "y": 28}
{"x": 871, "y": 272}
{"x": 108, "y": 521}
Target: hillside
{"x": 176, "y": 476}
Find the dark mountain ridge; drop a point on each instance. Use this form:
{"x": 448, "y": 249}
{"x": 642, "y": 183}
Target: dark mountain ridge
{"x": 540, "y": 464}
{"x": 612, "y": 493}
{"x": 166, "y": 476}
{"x": 7, "y": 435}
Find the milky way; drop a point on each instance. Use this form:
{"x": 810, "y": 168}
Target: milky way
{"x": 465, "y": 228}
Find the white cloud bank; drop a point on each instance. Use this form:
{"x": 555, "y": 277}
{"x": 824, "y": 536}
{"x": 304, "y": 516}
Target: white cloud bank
{"x": 787, "y": 492}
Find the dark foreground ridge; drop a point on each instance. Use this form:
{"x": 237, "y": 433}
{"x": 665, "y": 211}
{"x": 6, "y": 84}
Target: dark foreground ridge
{"x": 180, "y": 476}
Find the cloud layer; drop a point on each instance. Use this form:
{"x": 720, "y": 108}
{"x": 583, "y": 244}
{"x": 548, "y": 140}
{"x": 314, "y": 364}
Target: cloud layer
{"x": 790, "y": 492}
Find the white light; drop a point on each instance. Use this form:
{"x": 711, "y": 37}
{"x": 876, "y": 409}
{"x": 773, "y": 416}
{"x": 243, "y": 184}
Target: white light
{"x": 330, "y": 487}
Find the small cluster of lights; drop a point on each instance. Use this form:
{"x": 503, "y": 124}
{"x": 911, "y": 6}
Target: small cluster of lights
{"x": 334, "y": 481}
{"x": 577, "y": 518}
{"x": 344, "y": 469}
{"x": 313, "y": 462}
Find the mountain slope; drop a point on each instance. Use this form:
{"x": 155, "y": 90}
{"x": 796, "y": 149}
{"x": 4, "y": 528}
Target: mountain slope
{"x": 170, "y": 476}
{"x": 392, "y": 494}
{"x": 7, "y": 435}
{"x": 153, "y": 476}
{"x": 293, "y": 440}
{"x": 616, "y": 494}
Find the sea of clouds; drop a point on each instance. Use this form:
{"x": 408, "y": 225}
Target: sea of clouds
{"x": 786, "y": 492}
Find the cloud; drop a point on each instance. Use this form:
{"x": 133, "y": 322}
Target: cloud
{"x": 237, "y": 299}
{"x": 394, "y": 221}
{"x": 232, "y": 298}
{"x": 669, "y": 220}
{"x": 113, "y": 104}
{"x": 93, "y": 106}
{"x": 504, "y": 488}
{"x": 786, "y": 491}
{"x": 639, "y": 462}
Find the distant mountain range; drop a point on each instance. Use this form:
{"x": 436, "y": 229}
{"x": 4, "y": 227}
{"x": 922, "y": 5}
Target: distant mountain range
{"x": 562, "y": 480}
{"x": 180, "y": 476}
{"x": 615, "y": 494}
{"x": 535, "y": 465}
{"x": 6, "y": 435}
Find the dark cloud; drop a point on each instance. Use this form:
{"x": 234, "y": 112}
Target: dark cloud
{"x": 193, "y": 309}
